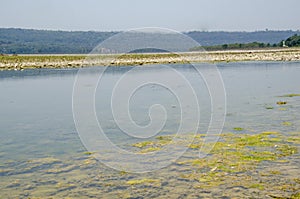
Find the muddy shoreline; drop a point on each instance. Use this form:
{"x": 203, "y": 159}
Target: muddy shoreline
{"x": 19, "y": 62}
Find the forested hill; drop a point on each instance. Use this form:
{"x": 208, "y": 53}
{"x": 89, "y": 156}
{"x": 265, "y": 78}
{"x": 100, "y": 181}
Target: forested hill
{"x": 26, "y": 41}
{"x": 219, "y": 38}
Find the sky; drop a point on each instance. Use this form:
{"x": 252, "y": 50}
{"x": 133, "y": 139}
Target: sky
{"x": 179, "y": 15}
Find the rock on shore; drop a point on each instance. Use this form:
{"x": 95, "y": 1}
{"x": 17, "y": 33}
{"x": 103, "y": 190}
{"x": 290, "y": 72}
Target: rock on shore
{"x": 9, "y": 62}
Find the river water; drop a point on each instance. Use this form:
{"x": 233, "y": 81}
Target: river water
{"x": 41, "y": 153}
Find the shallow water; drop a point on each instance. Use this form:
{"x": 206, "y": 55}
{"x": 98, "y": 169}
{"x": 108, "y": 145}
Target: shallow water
{"x": 41, "y": 154}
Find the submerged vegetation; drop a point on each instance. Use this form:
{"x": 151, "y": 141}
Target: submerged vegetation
{"x": 242, "y": 164}
{"x": 234, "y": 152}
{"x": 281, "y": 102}
{"x": 238, "y": 129}
{"x": 240, "y": 161}
{"x": 233, "y": 159}
{"x": 152, "y": 182}
{"x": 290, "y": 95}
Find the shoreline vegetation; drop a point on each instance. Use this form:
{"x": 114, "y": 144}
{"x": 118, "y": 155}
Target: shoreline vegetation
{"x": 32, "y": 61}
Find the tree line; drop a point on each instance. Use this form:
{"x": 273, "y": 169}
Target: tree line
{"x": 293, "y": 41}
{"x": 28, "y": 41}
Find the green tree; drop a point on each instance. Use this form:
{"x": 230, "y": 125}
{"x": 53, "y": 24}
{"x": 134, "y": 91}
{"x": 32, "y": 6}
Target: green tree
{"x": 225, "y": 46}
{"x": 293, "y": 41}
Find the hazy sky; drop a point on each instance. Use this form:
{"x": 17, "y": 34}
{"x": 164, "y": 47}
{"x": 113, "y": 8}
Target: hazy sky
{"x": 181, "y": 15}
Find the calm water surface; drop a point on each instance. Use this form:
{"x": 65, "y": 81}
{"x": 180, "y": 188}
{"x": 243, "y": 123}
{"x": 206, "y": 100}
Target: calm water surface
{"x": 41, "y": 154}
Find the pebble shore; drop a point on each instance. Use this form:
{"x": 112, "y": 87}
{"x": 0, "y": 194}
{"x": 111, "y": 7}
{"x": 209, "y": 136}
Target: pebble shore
{"x": 19, "y": 62}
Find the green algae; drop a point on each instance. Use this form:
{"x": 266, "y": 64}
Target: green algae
{"x": 295, "y": 196}
{"x": 164, "y": 140}
{"x": 271, "y": 173}
{"x": 275, "y": 172}
{"x": 61, "y": 169}
{"x": 124, "y": 194}
{"x": 286, "y": 150}
{"x": 236, "y": 154}
{"x": 155, "y": 145}
{"x": 238, "y": 128}
{"x": 295, "y": 140}
{"x": 297, "y": 180}
{"x": 123, "y": 172}
{"x": 269, "y": 107}
{"x": 259, "y": 186}
{"x": 233, "y": 162}
{"x": 281, "y": 102}
{"x": 150, "y": 149}
{"x": 286, "y": 123}
{"x": 167, "y": 138}
{"x": 290, "y": 95}
{"x": 195, "y": 146}
{"x": 282, "y": 109}
{"x": 143, "y": 144}
{"x": 257, "y": 140}
{"x": 63, "y": 185}
{"x": 88, "y": 153}
{"x": 234, "y": 148}
{"x": 145, "y": 181}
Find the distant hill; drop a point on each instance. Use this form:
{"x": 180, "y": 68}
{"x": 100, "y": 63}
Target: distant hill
{"x": 219, "y": 38}
{"x": 27, "y": 41}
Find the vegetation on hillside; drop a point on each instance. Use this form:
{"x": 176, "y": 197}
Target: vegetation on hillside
{"x": 293, "y": 41}
{"x": 25, "y": 41}
{"x": 252, "y": 45}
{"x": 220, "y": 38}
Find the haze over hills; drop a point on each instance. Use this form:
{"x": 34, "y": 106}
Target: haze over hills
{"x": 28, "y": 41}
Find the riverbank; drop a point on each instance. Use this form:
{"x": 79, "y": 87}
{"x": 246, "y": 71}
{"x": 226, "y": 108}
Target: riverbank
{"x": 18, "y": 62}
